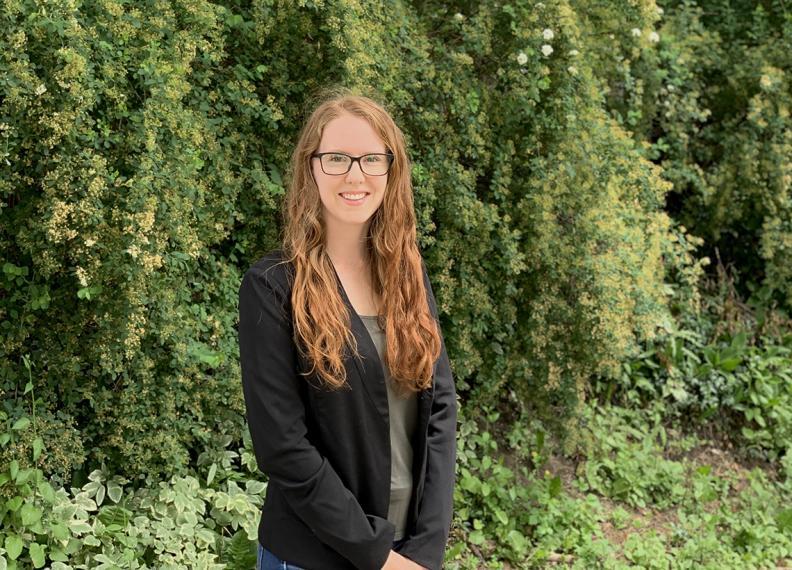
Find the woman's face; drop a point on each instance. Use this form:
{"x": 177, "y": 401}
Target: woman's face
{"x": 354, "y": 136}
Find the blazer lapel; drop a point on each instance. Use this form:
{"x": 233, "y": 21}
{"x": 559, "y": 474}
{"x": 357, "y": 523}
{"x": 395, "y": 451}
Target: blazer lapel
{"x": 370, "y": 370}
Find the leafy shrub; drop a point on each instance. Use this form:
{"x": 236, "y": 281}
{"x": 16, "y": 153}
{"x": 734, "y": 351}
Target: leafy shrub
{"x": 622, "y": 459}
{"x": 738, "y": 383}
{"x": 180, "y": 523}
{"x": 145, "y": 155}
{"x": 707, "y": 86}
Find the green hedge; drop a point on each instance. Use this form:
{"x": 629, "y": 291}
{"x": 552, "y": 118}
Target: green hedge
{"x": 145, "y": 153}
{"x": 713, "y": 99}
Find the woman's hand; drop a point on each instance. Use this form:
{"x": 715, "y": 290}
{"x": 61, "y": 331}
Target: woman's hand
{"x": 396, "y": 561}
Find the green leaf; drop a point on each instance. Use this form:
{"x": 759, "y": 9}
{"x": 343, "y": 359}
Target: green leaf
{"x": 730, "y": 364}
{"x": 21, "y": 423}
{"x": 79, "y": 527}
{"x": 30, "y": 514}
{"x": 59, "y": 531}
{"x": 37, "y": 554}
{"x": 476, "y": 537}
{"x": 114, "y": 491}
{"x": 13, "y": 546}
{"x": 46, "y": 491}
{"x": 38, "y": 446}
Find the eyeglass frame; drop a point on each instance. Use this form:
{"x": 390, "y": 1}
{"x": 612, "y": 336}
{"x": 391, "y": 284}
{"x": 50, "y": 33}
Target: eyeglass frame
{"x": 354, "y": 159}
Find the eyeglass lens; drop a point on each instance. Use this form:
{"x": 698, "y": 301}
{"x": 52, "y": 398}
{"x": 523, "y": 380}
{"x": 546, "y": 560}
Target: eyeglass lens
{"x": 374, "y": 164}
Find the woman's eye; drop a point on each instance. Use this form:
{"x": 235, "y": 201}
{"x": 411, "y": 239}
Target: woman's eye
{"x": 373, "y": 158}
{"x": 337, "y": 158}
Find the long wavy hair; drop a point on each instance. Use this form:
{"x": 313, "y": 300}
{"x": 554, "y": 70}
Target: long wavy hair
{"x": 322, "y": 323}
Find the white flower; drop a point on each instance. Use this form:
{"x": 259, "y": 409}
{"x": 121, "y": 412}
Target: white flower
{"x": 547, "y": 49}
{"x": 572, "y": 70}
{"x": 82, "y": 276}
{"x": 671, "y": 87}
{"x": 573, "y": 52}
{"x": 459, "y": 17}
{"x": 659, "y": 11}
{"x": 40, "y": 89}
{"x": 90, "y": 241}
{"x": 635, "y": 32}
{"x": 654, "y": 37}
{"x": 522, "y": 59}
{"x": 547, "y": 34}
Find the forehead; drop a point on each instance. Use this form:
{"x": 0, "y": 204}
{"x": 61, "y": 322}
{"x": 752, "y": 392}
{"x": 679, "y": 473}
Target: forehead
{"x": 351, "y": 134}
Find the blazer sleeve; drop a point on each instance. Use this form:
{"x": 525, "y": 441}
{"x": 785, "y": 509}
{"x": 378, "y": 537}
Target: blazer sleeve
{"x": 276, "y": 419}
{"x": 427, "y": 545}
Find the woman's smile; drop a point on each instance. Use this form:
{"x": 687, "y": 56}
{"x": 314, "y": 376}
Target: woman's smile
{"x": 354, "y": 198}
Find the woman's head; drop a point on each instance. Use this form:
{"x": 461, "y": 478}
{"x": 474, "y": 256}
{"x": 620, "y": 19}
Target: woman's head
{"x": 344, "y": 137}
{"x": 356, "y": 125}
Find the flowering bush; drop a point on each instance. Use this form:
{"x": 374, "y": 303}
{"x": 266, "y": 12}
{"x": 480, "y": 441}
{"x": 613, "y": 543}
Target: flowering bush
{"x": 143, "y": 153}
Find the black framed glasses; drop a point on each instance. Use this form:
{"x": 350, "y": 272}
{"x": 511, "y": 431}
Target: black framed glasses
{"x": 337, "y": 163}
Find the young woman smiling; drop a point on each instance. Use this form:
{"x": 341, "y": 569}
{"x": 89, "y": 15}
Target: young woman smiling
{"x": 349, "y": 394}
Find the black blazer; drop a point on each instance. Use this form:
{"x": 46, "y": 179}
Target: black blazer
{"x": 327, "y": 454}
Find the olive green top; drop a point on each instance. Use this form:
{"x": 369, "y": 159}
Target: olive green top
{"x": 403, "y": 413}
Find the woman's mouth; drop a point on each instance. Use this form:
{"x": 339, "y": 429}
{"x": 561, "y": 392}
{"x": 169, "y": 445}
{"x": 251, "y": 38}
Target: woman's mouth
{"x": 354, "y": 198}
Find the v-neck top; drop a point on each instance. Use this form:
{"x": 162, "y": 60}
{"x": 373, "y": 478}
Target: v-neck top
{"x": 403, "y": 413}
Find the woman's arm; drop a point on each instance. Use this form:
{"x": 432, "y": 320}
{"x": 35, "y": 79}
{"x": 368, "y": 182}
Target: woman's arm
{"x": 427, "y": 545}
{"x": 276, "y": 419}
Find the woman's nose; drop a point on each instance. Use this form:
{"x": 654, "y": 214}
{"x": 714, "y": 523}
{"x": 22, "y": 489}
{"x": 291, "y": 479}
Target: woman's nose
{"x": 355, "y": 173}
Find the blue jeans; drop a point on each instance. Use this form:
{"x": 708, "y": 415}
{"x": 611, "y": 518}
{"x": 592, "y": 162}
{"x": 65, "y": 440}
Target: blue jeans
{"x": 268, "y": 561}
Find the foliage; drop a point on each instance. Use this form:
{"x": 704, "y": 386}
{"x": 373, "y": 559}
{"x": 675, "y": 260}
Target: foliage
{"x": 633, "y": 469}
{"x": 512, "y": 504}
{"x": 623, "y": 460}
{"x": 729, "y": 367}
{"x": 145, "y": 151}
{"x": 707, "y": 86}
{"x": 185, "y": 522}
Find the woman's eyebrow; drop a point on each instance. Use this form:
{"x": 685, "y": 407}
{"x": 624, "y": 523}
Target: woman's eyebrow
{"x": 355, "y": 154}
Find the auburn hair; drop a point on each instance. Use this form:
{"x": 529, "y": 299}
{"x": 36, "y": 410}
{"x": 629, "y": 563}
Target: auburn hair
{"x": 321, "y": 321}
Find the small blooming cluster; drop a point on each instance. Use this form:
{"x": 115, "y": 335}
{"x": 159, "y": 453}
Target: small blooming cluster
{"x": 547, "y": 49}
{"x": 548, "y": 35}
{"x": 654, "y": 37}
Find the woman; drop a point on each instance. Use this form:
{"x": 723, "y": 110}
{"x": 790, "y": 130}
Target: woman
{"x": 348, "y": 388}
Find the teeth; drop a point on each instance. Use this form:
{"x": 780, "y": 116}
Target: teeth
{"x": 353, "y": 196}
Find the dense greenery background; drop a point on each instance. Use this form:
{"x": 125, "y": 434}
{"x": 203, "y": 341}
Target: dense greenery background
{"x": 577, "y": 166}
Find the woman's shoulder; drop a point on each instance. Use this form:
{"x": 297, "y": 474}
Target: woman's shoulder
{"x": 273, "y": 270}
